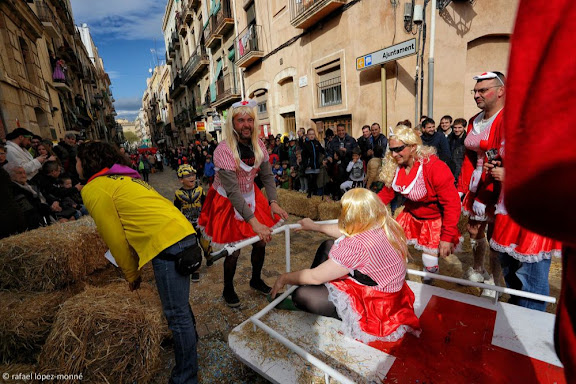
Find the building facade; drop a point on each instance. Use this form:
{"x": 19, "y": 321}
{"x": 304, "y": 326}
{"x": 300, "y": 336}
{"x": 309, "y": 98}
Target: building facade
{"x": 307, "y": 62}
{"x": 50, "y": 82}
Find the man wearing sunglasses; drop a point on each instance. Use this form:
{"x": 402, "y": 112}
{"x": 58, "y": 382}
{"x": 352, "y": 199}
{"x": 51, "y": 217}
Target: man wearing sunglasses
{"x": 485, "y": 132}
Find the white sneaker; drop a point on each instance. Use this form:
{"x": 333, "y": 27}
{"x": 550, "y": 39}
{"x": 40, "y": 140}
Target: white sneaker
{"x": 475, "y": 276}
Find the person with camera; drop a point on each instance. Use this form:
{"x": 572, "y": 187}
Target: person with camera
{"x": 521, "y": 256}
{"x": 140, "y": 226}
{"x": 485, "y": 132}
{"x": 17, "y": 144}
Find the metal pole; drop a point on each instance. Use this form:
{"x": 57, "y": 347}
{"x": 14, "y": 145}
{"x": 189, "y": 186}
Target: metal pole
{"x": 240, "y": 71}
{"x": 384, "y": 124}
{"x": 431, "y": 61}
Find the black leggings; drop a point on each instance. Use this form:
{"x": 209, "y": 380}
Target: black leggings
{"x": 314, "y": 298}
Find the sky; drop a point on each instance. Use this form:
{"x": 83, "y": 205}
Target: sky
{"x": 126, "y": 32}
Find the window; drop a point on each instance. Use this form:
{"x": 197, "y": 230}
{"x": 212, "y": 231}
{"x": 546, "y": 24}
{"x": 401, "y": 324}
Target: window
{"x": 262, "y": 108}
{"x": 329, "y": 84}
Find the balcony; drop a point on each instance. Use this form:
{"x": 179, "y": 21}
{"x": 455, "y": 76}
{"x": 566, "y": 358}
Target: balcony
{"x": 48, "y": 19}
{"x": 196, "y": 64}
{"x": 188, "y": 13}
{"x": 181, "y": 26}
{"x": 221, "y": 22}
{"x": 227, "y": 90}
{"x": 175, "y": 40}
{"x": 59, "y": 78}
{"x": 171, "y": 52}
{"x": 177, "y": 87}
{"x": 249, "y": 47}
{"x": 306, "y": 13}
{"x": 169, "y": 58}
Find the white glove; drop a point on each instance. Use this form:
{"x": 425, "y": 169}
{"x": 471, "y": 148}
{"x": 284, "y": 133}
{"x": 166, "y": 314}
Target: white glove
{"x": 478, "y": 208}
{"x": 461, "y": 194}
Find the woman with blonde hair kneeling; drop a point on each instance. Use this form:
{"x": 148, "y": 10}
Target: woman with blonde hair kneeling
{"x": 360, "y": 277}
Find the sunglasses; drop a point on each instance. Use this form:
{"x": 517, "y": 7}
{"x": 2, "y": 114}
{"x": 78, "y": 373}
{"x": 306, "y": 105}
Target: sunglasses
{"x": 398, "y": 149}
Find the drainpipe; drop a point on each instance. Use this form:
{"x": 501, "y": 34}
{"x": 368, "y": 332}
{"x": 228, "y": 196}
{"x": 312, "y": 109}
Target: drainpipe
{"x": 240, "y": 71}
{"x": 384, "y": 125}
{"x": 431, "y": 61}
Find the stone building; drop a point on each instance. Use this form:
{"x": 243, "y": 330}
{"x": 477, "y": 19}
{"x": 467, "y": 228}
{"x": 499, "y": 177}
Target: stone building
{"x": 49, "y": 83}
{"x": 307, "y": 62}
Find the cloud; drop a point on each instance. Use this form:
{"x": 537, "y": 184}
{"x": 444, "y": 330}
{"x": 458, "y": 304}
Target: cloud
{"x": 128, "y": 103}
{"x": 114, "y": 74}
{"x": 128, "y": 115}
{"x": 121, "y": 19}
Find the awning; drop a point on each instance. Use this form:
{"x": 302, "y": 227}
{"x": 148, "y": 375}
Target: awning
{"x": 218, "y": 69}
{"x": 232, "y": 54}
{"x": 213, "y": 92}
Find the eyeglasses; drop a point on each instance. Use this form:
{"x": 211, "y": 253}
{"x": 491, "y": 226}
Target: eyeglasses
{"x": 482, "y": 91}
{"x": 398, "y": 149}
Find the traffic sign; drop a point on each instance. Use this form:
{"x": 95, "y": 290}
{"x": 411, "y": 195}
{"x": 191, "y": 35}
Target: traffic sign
{"x": 394, "y": 52}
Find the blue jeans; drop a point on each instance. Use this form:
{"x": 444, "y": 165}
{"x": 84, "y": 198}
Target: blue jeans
{"x": 527, "y": 277}
{"x": 174, "y": 291}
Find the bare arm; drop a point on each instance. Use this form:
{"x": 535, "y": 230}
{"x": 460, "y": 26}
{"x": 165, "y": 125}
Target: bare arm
{"x": 327, "y": 229}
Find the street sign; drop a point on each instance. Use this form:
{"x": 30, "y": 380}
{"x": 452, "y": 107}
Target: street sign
{"x": 394, "y": 52}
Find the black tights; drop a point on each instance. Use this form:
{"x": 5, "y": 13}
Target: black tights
{"x": 314, "y": 298}
{"x": 257, "y": 259}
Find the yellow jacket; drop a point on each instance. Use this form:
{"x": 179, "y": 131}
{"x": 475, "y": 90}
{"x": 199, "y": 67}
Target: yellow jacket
{"x": 129, "y": 213}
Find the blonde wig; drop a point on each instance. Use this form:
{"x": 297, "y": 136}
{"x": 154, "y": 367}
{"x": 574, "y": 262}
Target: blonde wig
{"x": 362, "y": 210}
{"x": 231, "y": 136}
{"x": 407, "y": 136}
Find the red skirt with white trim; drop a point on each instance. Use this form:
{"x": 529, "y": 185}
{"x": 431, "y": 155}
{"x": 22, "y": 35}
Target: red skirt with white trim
{"x": 520, "y": 243}
{"x": 218, "y": 223}
{"x": 369, "y": 315}
{"x": 424, "y": 235}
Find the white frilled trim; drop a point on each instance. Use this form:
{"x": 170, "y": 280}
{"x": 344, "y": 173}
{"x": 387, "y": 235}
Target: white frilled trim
{"x": 523, "y": 258}
{"x": 350, "y": 320}
{"x": 219, "y": 246}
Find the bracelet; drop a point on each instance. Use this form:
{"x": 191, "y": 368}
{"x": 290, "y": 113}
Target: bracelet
{"x": 272, "y": 201}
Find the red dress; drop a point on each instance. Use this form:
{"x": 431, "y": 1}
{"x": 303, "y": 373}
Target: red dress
{"x": 383, "y": 312}
{"x": 432, "y": 208}
{"x": 219, "y": 221}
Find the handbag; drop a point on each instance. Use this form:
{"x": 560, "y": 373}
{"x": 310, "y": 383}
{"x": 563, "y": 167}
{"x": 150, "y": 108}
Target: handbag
{"x": 189, "y": 260}
{"x": 141, "y": 165}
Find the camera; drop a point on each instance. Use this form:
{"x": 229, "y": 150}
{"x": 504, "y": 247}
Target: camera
{"x": 492, "y": 154}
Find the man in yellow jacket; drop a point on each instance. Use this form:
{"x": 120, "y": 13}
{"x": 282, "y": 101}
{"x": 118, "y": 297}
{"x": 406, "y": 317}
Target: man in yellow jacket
{"x": 139, "y": 226}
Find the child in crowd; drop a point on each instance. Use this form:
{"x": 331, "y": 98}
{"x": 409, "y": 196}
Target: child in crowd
{"x": 285, "y": 179}
{"x": 301, "y": 173}
{"x": 277, "y": 172}
{"x": 189, "y": 199}
{"x": 209, "y": 170}
{"x": 74, "y": 198}
{"x": 273, "y": 158}
{"x": 356, "y": 170}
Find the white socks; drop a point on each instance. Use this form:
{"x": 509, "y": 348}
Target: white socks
{"x": 430, "y": 263}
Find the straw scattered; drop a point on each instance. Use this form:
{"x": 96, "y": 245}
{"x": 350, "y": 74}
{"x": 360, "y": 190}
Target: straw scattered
{"x": 108, "y": 334}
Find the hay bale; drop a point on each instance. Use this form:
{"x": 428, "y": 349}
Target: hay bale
{"x": 108, "y": 334}
{"x": 329, "y": 210}
{"x": 51, "y": 258}
{"x": 17, "y": 373}
{"x": 25, "y": 322}
{"x": 299, "y": 204}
